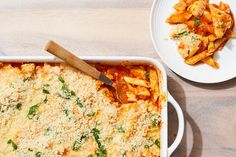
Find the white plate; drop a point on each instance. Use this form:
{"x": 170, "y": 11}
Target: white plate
{"x": 167, "y": 48}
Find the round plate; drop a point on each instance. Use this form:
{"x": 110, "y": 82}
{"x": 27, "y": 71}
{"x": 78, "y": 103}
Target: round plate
{"x": 167, "y": 48}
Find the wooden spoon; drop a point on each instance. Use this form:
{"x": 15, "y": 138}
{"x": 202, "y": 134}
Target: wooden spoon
{"x": 76, "y": 62}
{"x": 233, "y": 35}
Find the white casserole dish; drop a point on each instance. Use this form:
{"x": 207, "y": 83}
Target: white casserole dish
{"x": 165, "y": 150}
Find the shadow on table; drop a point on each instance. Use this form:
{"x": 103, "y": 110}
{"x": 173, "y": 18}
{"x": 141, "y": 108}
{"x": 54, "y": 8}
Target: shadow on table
{"x": 185, "y": 149}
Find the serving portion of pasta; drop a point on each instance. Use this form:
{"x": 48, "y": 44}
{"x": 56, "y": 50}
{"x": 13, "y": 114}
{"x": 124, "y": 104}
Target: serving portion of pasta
{"x": 201, "y": 29}
{"x": 54, "y": 110}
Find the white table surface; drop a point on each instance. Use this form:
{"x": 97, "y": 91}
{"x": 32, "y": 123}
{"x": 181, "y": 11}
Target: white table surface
{"x": 121, "y": 27}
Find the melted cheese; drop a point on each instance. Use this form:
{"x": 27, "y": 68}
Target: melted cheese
{"x": 221, "y": 21}
{"x": 57, "y": 122}
{"x": 189, "y": 43}
{"x": 198, "y": 8}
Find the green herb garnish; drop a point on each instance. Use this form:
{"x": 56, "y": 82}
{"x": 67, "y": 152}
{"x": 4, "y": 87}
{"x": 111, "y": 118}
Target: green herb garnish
{"x": 79, "y": 103}
{"x": 123, "y": 154}
{"x": 193, "y": 38}
{"x": 46, "y": 89}
{"x": 77, "y": 143}
{"x": 32, "y": 111}
{"x": 101, "y": 151}
{"x": 91, "y": 114}
{"x": 157, "y": 143}
{"x": 66, "y": 111}
{"x": 96, "y": 133}
{"x": 66, "y": 93}
{"x": 61, "y": 79}
{"x": 196, "y": 22}
{"x": 148, "y": 145}
{"x": 183, "y": 33}
{"x": 14, "y": 146}
{"x": 18, "y": 106}
{"x": 38, "y": 154}
{"x": 45, "y": 100}
{"x": 29, "y": 149}
{"x": 90, "y": 155}
{"x": 120, "y": 130}
{"x": 154, "y": 122}
{"x": 26, "y": 79}
{"x": 47, "y": 132}
{"x": 72, "y": 93}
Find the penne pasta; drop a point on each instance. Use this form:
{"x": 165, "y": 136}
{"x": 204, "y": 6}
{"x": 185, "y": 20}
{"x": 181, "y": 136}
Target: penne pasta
{"x": 179, "y": 17}
{"x": 211, "y": 62}
{"x": 154, "y": 84}
{"x": 136, "y": 81}
{"x": 198, "y": 57}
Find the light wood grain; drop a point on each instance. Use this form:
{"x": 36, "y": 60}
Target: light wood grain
{"x": 209, "y": 109}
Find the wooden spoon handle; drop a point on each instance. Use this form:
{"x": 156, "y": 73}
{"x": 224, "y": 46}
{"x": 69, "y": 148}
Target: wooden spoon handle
{"x": 233, "y": 35}
{"x": 71, "y": 59}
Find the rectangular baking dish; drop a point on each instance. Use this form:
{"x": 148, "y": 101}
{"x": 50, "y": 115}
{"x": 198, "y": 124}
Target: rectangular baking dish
{"x": 113, "y": 60}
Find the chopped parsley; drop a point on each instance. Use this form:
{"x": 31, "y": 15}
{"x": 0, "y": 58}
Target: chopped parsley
{"x": 38, "y": 154}
{"x": 78, "y": 142}
{"x": 18, "y": 106}
{"x": 72, "y": 93}
{"x": 29, "y": 149}
{"x": 150, "y": 144}
{"x": 90, "y": 155}
{"x": 154, "y": 122}
{"x": 32, "y": 111}
{"x": 61, "y": 79}
{"x": 79, "y": 103}
{"x": 66, "y": 92}
{"x": 101, "y": 152}
{"x": 96, "y": 134}
{"x": 123, "y": 154}
{"x": 47, "y": 132}
{"x": 157, "y": 143}
{"x": 14, "y": 146}
{"x": 46, "y": 89}
{"x": 91, "y": 114}
{"x": 66, "y": 111}
{"x": 120, "y": 130}
{"x": 26, "y": 79}
{"x": 84, "y": 137}
{"x": 76, "y": 145}
{"x": 183, "y": 33}
{"x": 133, "y": 148}
{"x": 45, "y": 100}
{"x": 196, "y": 22}
{"x": 48, "y": 129}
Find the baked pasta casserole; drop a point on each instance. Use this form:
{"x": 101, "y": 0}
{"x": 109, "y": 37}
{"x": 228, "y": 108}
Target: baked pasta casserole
{"x": 53, "y": 110}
